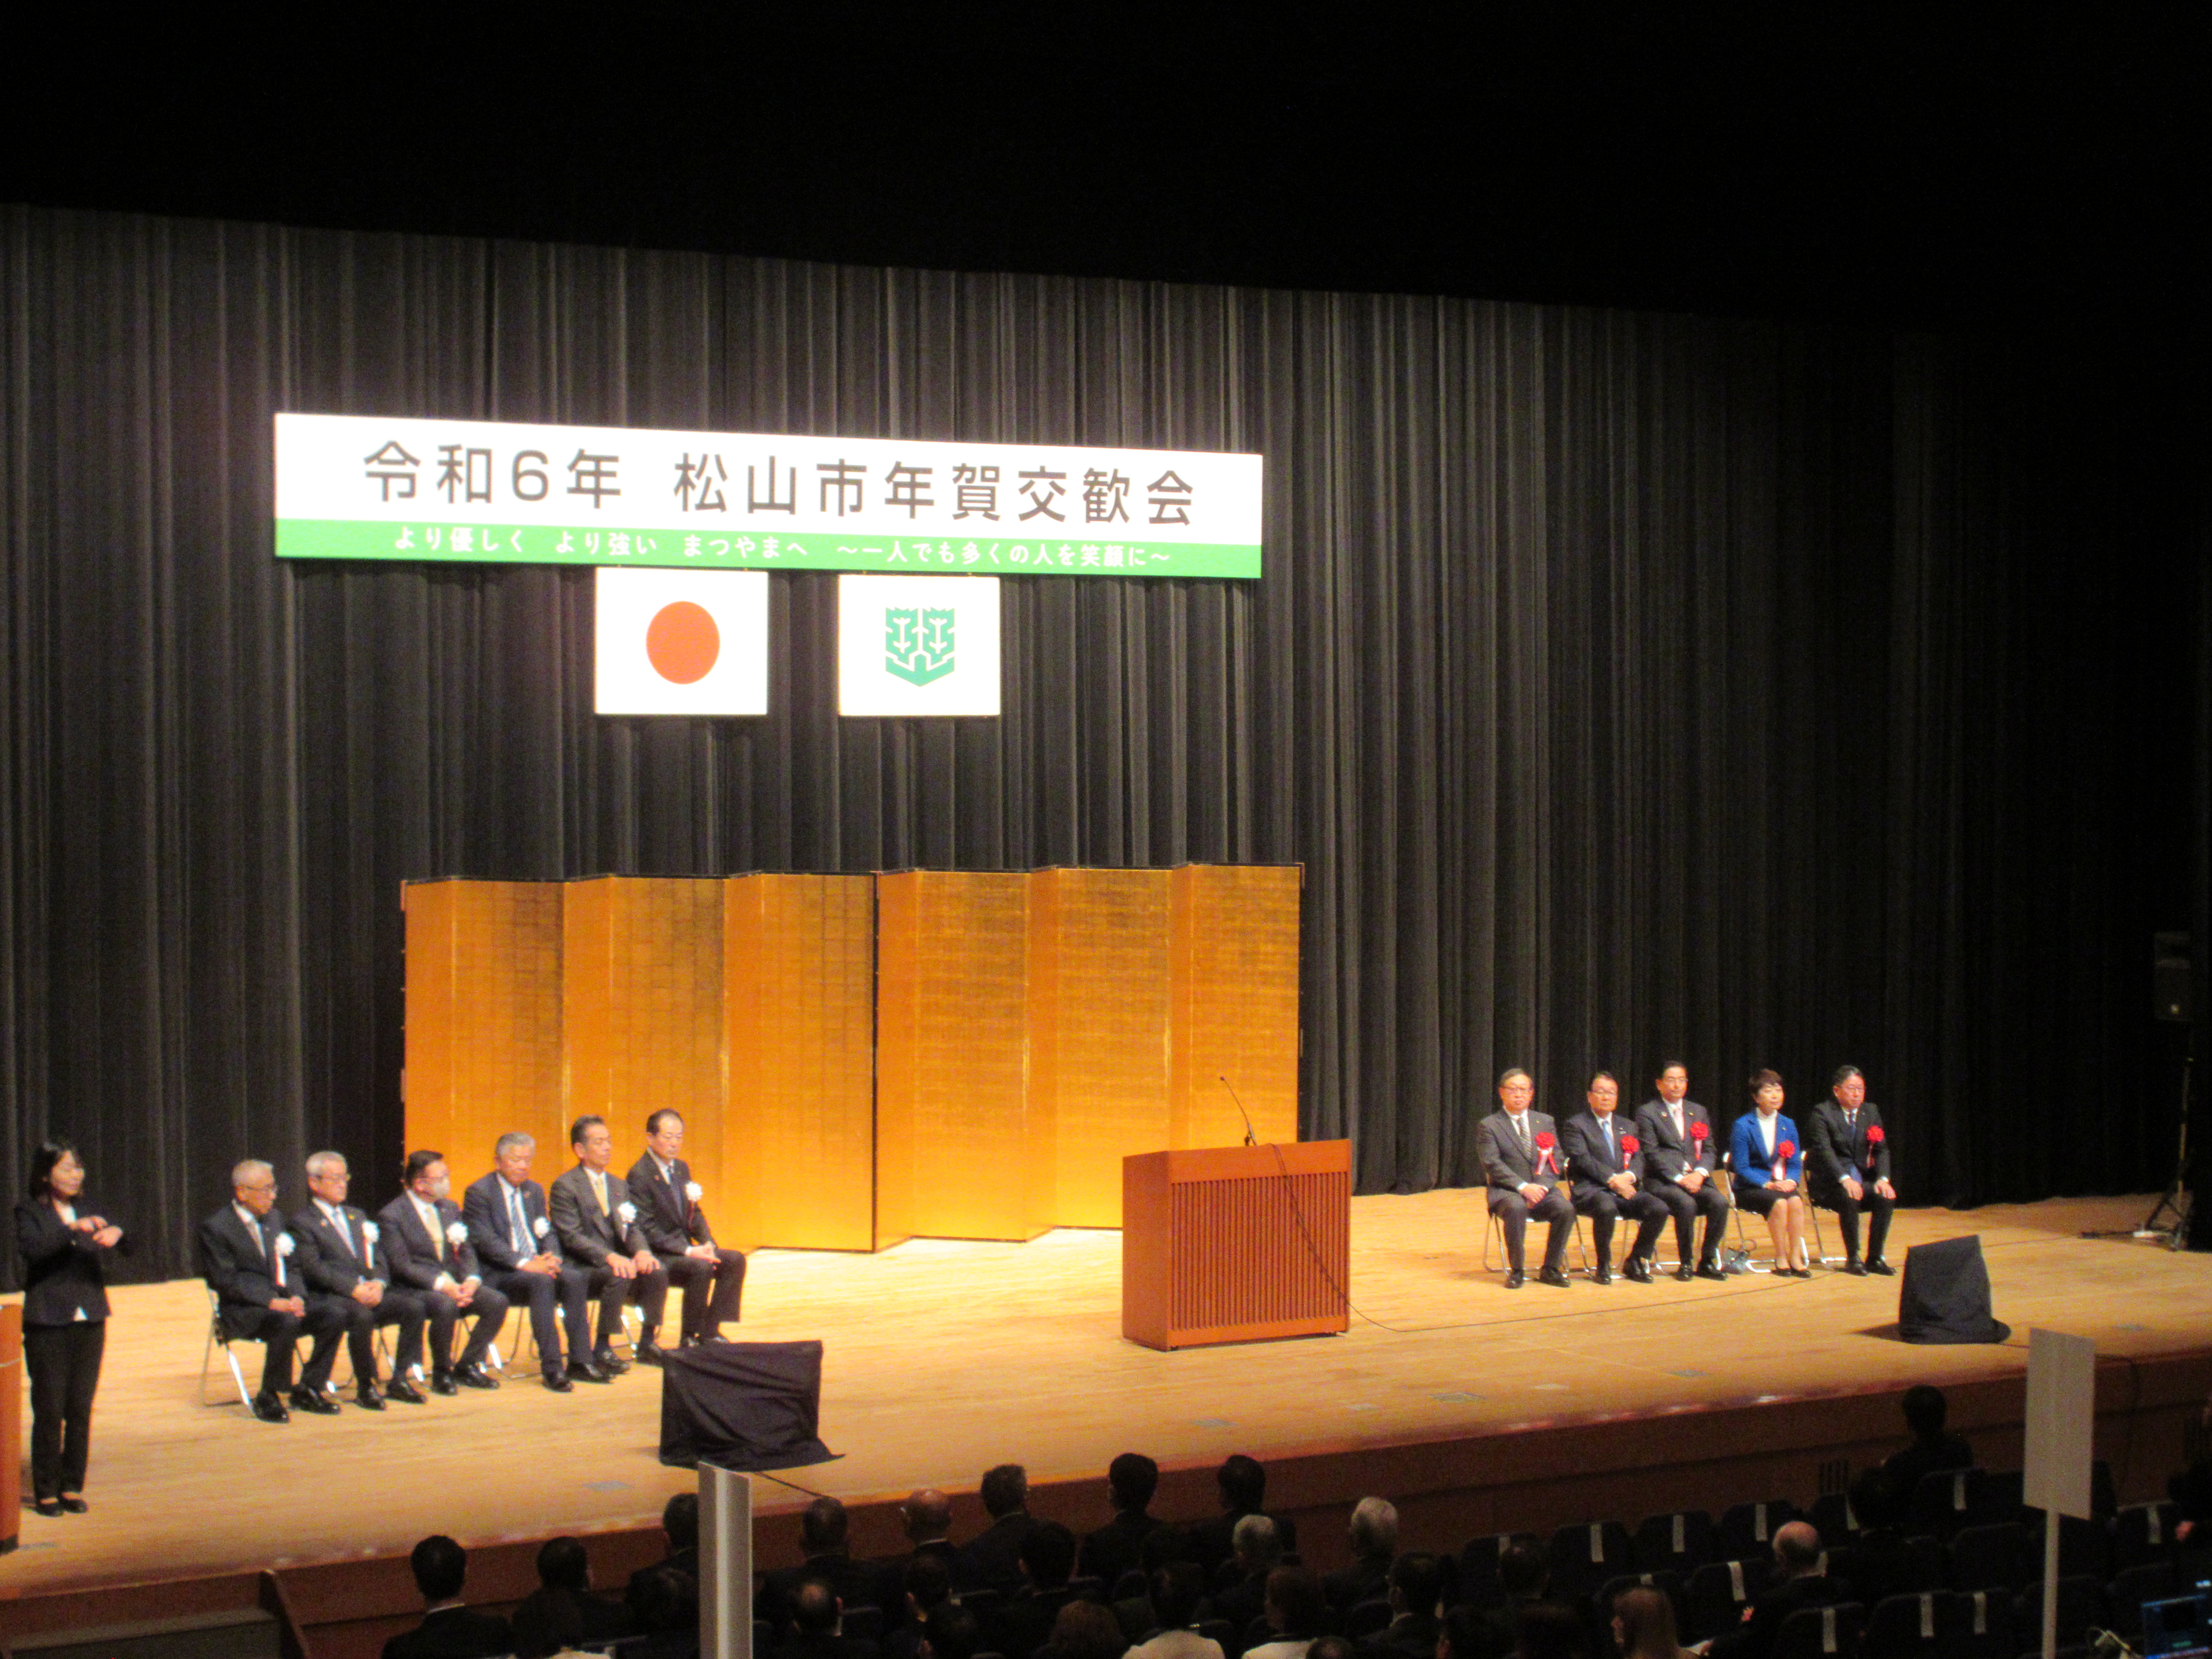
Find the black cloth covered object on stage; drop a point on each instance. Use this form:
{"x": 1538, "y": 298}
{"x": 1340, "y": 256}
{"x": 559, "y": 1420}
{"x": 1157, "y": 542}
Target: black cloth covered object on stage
{"x": 743, "y": 1406}
{"x": 1945, "y": 1294}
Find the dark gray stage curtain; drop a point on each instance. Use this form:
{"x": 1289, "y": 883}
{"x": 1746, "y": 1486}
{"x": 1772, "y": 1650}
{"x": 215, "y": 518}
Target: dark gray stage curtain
{"x": 1630, "y": 687}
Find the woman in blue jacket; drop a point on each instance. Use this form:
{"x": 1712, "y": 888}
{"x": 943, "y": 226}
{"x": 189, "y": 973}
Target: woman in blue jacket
{"x": 1768, "y": 1156}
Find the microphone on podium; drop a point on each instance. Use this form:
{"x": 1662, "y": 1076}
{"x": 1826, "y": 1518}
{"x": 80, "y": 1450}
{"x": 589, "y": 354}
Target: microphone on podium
{"x": 1250, "y": 1138}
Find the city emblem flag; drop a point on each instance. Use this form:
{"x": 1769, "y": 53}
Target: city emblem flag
{"x": 918, "y": 645}
{"x": 681, "y": 641}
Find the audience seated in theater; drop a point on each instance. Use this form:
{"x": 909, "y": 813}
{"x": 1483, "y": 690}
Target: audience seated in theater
{"x": 449, "y": 1630}
{"x": 1644, "y": 1624}
{"x": 2192, "y": 1491}
{"x": 1330, "y": 1647}
{"x": 1459, "y": 1633}
{"x": 1244, "y": 1483}
{"x": 926, "y": 1584}
{"x": 1798, "y": 1583}
{"x": 993, "y": 1558}
{"x": 1417, "y": 1585}
{"x": 1296, "y": 1611}
{"x": 1025, "y": 1623}
{"x": 1374, "y": 1546}
{"x": 817, "y": 1631}
{"x": 667, "y": 1606}
{"x": 1524, "y": 1579}
{"x": 951, "y": 1632}
{"x": 926, "y": 1518}
{"x": 1177, "y": 1587}
{"x": 1545, "y": 1629}
{"x": 1257, "y": 1554}
{"x": 679, "y": 1520}
{"x": 1116, "y": 1548}
{"x": 1934, "y": 1450}
{"x": 1164, "y": 1546}
{"x": 822, "y": 1536}
{"x": 562, "y": 1604}
{"x": 1085, "y": 1630}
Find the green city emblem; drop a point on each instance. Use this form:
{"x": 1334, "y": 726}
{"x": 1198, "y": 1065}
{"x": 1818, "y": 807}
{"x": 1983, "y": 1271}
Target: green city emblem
{"x": 918, "y": 644}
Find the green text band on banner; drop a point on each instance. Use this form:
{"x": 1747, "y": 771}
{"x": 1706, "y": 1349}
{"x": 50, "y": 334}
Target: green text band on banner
{"x": 481, "y": 492}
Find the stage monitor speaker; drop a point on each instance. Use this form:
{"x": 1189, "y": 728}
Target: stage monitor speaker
{"x": 2172, "y": 965}
{"x": 743, "y": 1406}
{"x": 1945, "y": 1294}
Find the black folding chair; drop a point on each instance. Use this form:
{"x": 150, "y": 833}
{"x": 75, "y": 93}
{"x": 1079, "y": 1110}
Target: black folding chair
{"x": 1820, "y": 1632}
{"x": 1582, "y": 1556}
{"x": 1680, "y": 1542}
{"x": 1749, "y": 1529}
{"x": 1944, "y": 1503}
{"x": 1991, "y": 1558}
{"x": 2081, "y": 1604}
{"x": 1719, "y": 1591}
{"x": 2141, "y": 1533}
{"x": 1478, "y": 1562}
{"x": 1906, "y": 1627}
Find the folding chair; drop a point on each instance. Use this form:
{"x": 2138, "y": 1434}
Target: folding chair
{"x": 1680, "y": 1542}
{"x": 1719, "y": 1591}
{"x": 217, "y": 1339}
{"x": 1747, "y": 1530}
{"x": 2143, "y": 1533}
{"x": 1478, "y": 1558}
{"x": 2081, "y": 1604}
{"x": 1495, "y": 1240}
{"x": 1909, "y": 1627}
{"x": 1581, "y": 1556}
{"x": 1994, "y": 1557}
{"x": 1834, "y": 1519}
{"x": 1943, "y": 1502}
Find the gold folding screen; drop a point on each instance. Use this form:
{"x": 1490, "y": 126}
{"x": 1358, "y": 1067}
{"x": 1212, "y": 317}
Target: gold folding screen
{"x": 861, "y": 1060}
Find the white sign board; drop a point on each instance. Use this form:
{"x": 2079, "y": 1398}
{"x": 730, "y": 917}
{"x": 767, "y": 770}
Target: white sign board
{"x": 486, "y": 492}
{"x": 917, "y": 645}
{"x": 2061, "y": 1420}
{"x": 681, "y": 642}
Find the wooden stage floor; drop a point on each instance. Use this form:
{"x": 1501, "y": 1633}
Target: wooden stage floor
{"x": 944, "y": 1358}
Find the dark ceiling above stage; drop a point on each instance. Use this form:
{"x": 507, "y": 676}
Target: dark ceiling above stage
{"x": 1906, "y": 171}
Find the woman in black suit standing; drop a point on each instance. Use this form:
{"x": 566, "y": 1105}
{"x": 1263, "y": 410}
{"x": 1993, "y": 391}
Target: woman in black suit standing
{"x": 65, "y": 1251}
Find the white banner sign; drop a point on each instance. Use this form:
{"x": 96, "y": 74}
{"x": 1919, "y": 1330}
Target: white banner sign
{"x": 917, "y": 645}
{"x": 681, "y": 642}
{"x": 366, "y": 487}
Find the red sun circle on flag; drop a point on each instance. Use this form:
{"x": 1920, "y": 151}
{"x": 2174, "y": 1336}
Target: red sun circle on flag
{"x": 682, "y": 642}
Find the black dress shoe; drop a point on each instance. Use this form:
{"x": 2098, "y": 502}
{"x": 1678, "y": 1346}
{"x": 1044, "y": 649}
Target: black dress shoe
{"x": 583, "y": 1372}
{"x": 270, "y": 1409}
{"x": 1685, "y": 1273}
{"x": 74, "y": 1505}
{"x": 442, "y": 1383}
{"x": 49, "y": 1507}
{"x": 1854, "y": 1269}
{"x": 1604, "y": 1275}
{"x": 1878, "y": 1265}
{"x": 402, "y": 1389}
{"x": 1515, "y": 1279}
{"x": 370, "y": 1399}
{"x": 1708, "y": 1270}
{"x": 1637, "y": 1271}
{"x": 650, "y": 1353}
{"x": 608, "y": 1361}
{"x": 1552, "y": 1276}
{"x": 476, "y": 1376}
{"x": 314, "y": 1402}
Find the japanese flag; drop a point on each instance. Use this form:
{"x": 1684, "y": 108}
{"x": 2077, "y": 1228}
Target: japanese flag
{"x": 682, "y": 641}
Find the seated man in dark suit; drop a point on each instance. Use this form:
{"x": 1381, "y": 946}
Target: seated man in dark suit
{"x": 951, "y": 1632}
{"x": 1175, "y": 1591}
{"x": 596, "y": 1220}
{"x": 245, "y": 1259}
{"x": 564, "y": 1588}
{"x": 1417, "y": 1585}
{"x": 1023, "y": 1623}
{"x": 1849, "y": 1169}
{"x": 713, "y": 1279}
{"x": 1682, "y": 1166}
{"x": 1244, "y": 1483}
{"x": 925, "y": 1517}
{"x": 926, "y": 1581}
{"x": 823, "y": 1530}
{"x": 1295, "y": 1612}
{"x": 993, "y": 1558}
{"x": 1798, "y": 1583}
{"x": 449, "y": 1630}
{"x": 667, "y": 1607}
{"x": 679, "y": 1522}
{"x": 1521, "y": 1163}
{"x": 513, "y": 1236}
{"x": 428, "y": 1245}
{"x": 1116, "y": 1547}
{"x": 1258, "y": 1552}
{"x": 339, "y": 1255}
{"x": 1373, "y": 1547}
{"x": 816, "y": 1633}
{"x": 1606, "y": 1159}
{"x": 1934, "y": 1449}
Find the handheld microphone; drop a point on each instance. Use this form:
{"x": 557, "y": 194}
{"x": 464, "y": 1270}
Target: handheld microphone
{"x": 1250, "y": 1138}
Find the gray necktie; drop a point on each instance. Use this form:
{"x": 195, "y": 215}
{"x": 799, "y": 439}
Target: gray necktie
{"x": 1611, "y": 1150}
{"x": 521, "y": 1223}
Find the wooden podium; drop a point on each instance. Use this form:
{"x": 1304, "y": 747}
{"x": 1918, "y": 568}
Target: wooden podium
{"x": 1236, "y": 1243}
